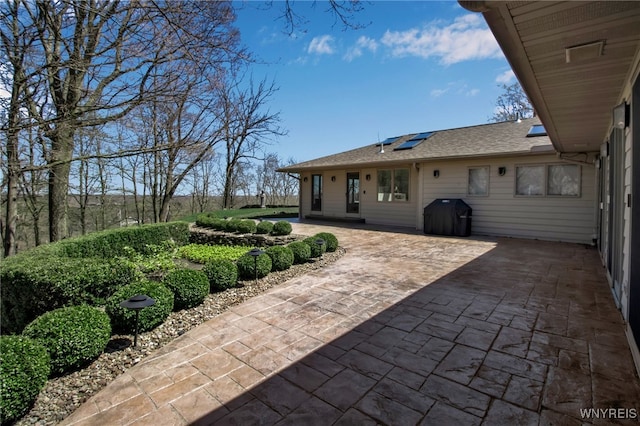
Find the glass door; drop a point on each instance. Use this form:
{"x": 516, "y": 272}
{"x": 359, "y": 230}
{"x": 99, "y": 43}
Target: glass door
{"x": 353, "y": 192}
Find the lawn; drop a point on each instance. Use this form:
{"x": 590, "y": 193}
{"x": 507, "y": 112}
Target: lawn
{"x": 251, "y": 213}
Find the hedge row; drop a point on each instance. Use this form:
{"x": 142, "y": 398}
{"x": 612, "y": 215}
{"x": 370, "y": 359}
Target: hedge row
{"x": 73, "y": 272}
{"x": 243, "y": 226}
{"x": 112, "y": 242}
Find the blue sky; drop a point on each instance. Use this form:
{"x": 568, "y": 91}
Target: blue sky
{"x": 414, "y": 66}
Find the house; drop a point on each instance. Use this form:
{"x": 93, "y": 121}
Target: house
{"x": 508, "y": 173}
{"x": 579, "y": 63}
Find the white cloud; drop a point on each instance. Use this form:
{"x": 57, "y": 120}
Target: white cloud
{"x": 473, "y": 92}
{"x": 436, "y": 93}
{"x": 362, "y": 43}
{"x": 467, "y": 38}
{"x": 506, "y": 77}
{"x": 321, "y": 45}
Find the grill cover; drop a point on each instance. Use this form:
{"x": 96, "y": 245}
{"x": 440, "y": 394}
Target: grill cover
{"x": 448, "y": 216}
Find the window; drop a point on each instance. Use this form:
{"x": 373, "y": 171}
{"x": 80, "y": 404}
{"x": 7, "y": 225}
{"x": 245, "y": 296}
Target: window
{"x": 478, "y": 181}
{"x": 536, "y": 130}
{"x": 551, "y": 180}
{"x": 530, "y": 180}
{"x": 563, "y": 179}
{"x": 393, "y": 185}
{"x": 316, "y": 192}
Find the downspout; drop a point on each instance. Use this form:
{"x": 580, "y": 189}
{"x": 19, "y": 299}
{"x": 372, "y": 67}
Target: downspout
{"x": 419, "y": 198}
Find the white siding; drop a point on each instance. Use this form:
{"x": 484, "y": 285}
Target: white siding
{"x": 501, "y": 213}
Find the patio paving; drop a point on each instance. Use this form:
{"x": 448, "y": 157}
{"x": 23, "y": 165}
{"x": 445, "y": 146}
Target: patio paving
{"x": 403, "y": 329}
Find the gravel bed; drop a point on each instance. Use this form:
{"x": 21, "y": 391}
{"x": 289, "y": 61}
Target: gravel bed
{"x": 62, "y": 395}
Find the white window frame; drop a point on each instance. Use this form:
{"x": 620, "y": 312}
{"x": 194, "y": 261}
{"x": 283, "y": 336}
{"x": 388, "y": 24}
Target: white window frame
{"x": 488, "y": 172}
{"x": 545, "y": 182}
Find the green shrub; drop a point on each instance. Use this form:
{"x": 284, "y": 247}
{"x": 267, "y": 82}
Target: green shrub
{"x": 264, "y": 227}
{"x": 330, "y": 240}
{"x": 281, "y": 227}
{"x": 123, "y": 319}
{"x": 247, "y": 263}
{"x": 111, "y": 243}
{"x": 202, "y": 253}
{"x": 233, "y": 224}
{"x": 204, "y": 220}
{"x": 218, "y": 224}
{"x": 246, "y": 226}
{"x": 222, "y": 274}
{"x": 189, "y": 287}
{"x": 316, "y": 249}
{"x": 281, "y": 257}
{"x": 73, "y": 336}
{"x": 301, "y": 252}
{"x": 24, "y": 369}
{"x": 155, "y": 258}
{"x": 35, "y": 284}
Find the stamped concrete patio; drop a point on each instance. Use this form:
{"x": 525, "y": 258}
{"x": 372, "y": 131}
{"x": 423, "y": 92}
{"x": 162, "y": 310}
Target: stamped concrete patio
{"x": 404, "y": 329}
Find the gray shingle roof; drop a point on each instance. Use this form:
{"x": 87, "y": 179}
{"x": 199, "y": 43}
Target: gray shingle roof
{"x": 495, "y": 139}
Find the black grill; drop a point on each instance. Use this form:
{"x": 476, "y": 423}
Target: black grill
{"x": 448, "y": 216}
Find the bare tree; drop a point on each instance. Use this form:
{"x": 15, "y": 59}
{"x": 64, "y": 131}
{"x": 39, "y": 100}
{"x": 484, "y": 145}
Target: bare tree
{"x": 512, "y": 104}
{"x": 247, "y": 127}
{"x": 278, "y": 186}
{"x": 98, "y": 58}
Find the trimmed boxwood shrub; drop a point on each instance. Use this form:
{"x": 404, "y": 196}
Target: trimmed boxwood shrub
{"x": 246, "y": 265}
{"x": 123, "y": 319}
{"x": 189, "y": 287}
{"x": 264, "y": 227}
{"x": 233, "y": 224}
{"x": 301, "y": 252}
{"x": 111, "y": 243}
{"x": 281, "y": 257}
{"x": 222, "y": 274}
{"x": 281, "y": 227}
{"x": 33, "y": 284}
{"x": 73, "y": 336}
{"x": 204, "y": 220}
{"x": 330, "y": 240}
{"x": 246, "y": 226}
{"x": 218, "y": 224}
{"x": 316, "y": 249}
{"x": 24, "y": 368}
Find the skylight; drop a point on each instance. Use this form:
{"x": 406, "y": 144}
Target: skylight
{"x": 537, "y": 130}
{"x": 417, "y": 139}
{"x": 389, "y": 141}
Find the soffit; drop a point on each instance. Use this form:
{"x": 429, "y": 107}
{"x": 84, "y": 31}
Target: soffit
{"x": 574, "y": 100}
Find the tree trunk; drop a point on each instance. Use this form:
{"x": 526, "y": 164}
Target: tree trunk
{"x": 62, "y": 143}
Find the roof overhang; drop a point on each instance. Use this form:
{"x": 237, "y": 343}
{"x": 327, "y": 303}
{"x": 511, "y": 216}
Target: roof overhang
{"x": 572, "y": 59}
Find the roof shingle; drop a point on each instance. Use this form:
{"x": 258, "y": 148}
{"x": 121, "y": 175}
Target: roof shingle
{"x": 495, "y": 139}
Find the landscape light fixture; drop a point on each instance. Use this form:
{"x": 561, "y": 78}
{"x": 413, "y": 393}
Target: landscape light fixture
{"x": 137, "y": 303}
{"x": 255, "y": 252}
{"x": 320, "y": 243}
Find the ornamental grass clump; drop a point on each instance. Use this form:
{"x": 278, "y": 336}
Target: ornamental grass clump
{"x": 281, "y": 257}
{"x": 281, "y": 227}
{"x": 123, "y": 319}
{"x": 24, "y": 369}
{"x": 301, "y": 252}
{"x": 189, "y": 287}
{"x": 250, "y": 268}
{"x": 222, "y": 274}
{"x": 73, "y": 336}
